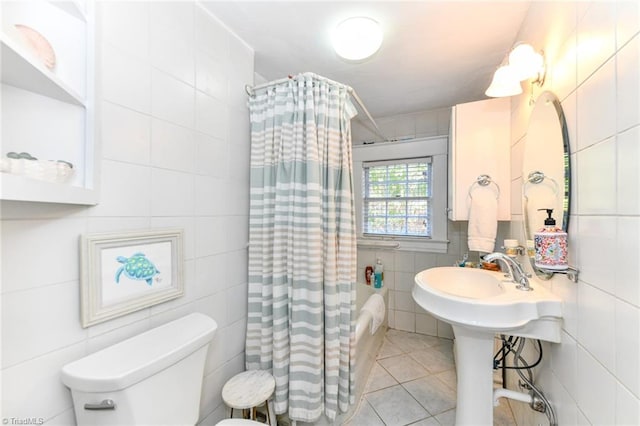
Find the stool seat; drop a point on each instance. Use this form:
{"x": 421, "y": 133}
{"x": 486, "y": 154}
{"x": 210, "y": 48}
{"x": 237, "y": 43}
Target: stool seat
{"x": 238, "y": 422}
{"x": 248, "y": 389}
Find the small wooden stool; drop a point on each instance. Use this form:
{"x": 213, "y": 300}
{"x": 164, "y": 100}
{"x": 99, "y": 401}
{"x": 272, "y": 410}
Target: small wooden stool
{"x": 248, "y": 390}
{"x": 238, "y": 422}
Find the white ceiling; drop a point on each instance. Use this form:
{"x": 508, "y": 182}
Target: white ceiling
{"x": 434, "y": 53}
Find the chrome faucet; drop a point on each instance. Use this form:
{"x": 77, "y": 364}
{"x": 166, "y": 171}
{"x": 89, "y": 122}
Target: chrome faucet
{"x": 515, "y": 270}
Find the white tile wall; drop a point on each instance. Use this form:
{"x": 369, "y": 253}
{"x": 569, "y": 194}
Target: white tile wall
{"x": 627, "y": 349}
{"x": 126, "y": 134}
{"x": 31, "y": 241}
{"x": 172, "y": 143}
{"x": 563, "y": 70}
{"x": 171, "y": 39}
{"x": 212, "y": 116}
{"x": 212, "y": 39}
{"x": 628, "y": 247}
{"x": 597, "y": 120}
{"x": 596, "y": 250}
{"x": 172, "y": 193}
{"x": 35, "y": 386}
{"x": 627, "y": 173}
{"x": 44, "y": 326}
{"x": 596, "y": 191}
{"x": 594, "y": 377}
{"x": 564, "y": 363}
{"x": 172, "y": 99}
{"x": 174, "y": 147}
{"x": 565, "y": 408}
{"x": 208, "y": 191}
{"x": 124, "y": 78}
{"x": 596, "y": 37}
{"x": 124, "y": 190}
{"x": 126, "y": 26}
{"x": 211, "y": 156}
{"x": 568, "y": 292}
{"x": 627, "y": 19}
{"x": 627, "y": 69}
{"x": 211, "y": 76}
{"x": 596, "y": 390}
{"x": 597, "y": 324}
{"x": 627, "y": 407}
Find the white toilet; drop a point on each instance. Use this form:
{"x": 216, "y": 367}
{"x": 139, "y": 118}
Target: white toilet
{"x": 154, "y": 378}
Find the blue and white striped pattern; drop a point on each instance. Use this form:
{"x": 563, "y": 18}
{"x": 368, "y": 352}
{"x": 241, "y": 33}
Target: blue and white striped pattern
{"x": 302, "y": 246}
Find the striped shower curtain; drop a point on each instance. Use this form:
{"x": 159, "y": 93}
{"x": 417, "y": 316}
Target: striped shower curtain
{"x": 302, "y": 247}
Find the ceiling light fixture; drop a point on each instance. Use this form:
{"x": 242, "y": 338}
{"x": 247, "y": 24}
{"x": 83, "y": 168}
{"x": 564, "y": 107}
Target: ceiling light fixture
{"x": 524, "y": 63}
{"x": 357, "y": 38}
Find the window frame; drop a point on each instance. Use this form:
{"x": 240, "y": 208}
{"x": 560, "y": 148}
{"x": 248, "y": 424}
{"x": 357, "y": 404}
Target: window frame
{"x": 405, "y": 199}
{"x": 434, "y": 147}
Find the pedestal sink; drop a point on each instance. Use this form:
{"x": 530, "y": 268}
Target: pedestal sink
{"x": 479, "y": 304}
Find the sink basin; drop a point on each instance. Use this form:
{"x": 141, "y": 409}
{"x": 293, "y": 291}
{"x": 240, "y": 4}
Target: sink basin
{"x": 463, "y": 282}
{"x": 486, "y": 300}
{"x": 479, "y": 304}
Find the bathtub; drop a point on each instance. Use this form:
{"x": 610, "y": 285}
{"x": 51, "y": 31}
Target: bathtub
{"x": 367, "y": 345}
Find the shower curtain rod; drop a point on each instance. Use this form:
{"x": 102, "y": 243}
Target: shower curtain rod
{"x": 352, "y": 92}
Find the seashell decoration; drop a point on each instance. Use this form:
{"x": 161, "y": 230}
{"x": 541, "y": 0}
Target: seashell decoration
{"x": 39, "y": 45}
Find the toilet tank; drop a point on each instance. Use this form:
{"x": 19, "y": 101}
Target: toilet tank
{"x": 154, "y": 378}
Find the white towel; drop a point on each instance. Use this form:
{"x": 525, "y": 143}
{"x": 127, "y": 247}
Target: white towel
{"x": 375, "y": 306}
{"x": 483, "y": 220}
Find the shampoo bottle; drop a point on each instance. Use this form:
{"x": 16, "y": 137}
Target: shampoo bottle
{"x": 378, "y": 274}
{"x": 550, "y": 245}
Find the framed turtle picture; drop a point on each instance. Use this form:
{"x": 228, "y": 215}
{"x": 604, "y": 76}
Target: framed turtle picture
{"x": 126, "y": 272}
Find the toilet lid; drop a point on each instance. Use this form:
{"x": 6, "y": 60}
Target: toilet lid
{"x": 239, "y": 422}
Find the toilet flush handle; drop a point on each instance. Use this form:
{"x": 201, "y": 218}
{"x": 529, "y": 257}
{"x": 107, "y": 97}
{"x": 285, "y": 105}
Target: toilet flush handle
{"x": 107, "y": 404}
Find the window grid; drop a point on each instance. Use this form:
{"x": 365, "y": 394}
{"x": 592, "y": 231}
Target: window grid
{"x": 397, "y": 198}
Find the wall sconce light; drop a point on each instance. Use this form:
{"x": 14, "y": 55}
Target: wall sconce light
{"x": 524, "y": 63}
{"x": 505, "y": 83}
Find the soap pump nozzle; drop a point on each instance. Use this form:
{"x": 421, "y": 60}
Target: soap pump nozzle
{"x": 549, "y": 221}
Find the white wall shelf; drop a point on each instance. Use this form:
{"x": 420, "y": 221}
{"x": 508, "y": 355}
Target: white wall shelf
{"x": 21, "y": 69}
{"x": 20, "y": 188}
{"x": 74, "y": 8}
{"x": 49, "y": 113}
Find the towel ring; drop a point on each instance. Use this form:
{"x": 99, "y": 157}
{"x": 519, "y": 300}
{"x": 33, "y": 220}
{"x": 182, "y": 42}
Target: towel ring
{"x": 536, "y": 177}
{"x": 484, "y": 180}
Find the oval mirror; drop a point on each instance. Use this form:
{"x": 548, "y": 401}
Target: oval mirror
{"x": 546, "y": 169}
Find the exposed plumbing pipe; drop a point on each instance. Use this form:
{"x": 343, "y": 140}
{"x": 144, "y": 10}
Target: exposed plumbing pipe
{"x": 540, "y": 402}
{"x": 511, "y": 394}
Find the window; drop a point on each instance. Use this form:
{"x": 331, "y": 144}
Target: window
{"x": 395, "y": 202}
{"x": 397, "y": 197}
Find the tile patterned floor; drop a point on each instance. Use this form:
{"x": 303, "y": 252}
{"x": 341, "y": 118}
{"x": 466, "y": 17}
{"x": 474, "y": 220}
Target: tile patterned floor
{"x": 414, "y": 383}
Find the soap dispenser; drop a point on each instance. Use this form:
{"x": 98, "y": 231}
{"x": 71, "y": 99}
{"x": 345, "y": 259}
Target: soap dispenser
{"x": 378, "y": 274}
{"x": 550, "y": 245}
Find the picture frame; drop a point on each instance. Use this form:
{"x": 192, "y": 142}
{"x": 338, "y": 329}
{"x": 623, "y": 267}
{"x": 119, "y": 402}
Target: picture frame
{"x": 125, "y": 272}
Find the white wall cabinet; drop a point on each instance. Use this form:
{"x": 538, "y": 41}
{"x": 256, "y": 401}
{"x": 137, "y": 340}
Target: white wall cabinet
{"x": 479, "y": 144}
{"x": 48, "y": 112}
